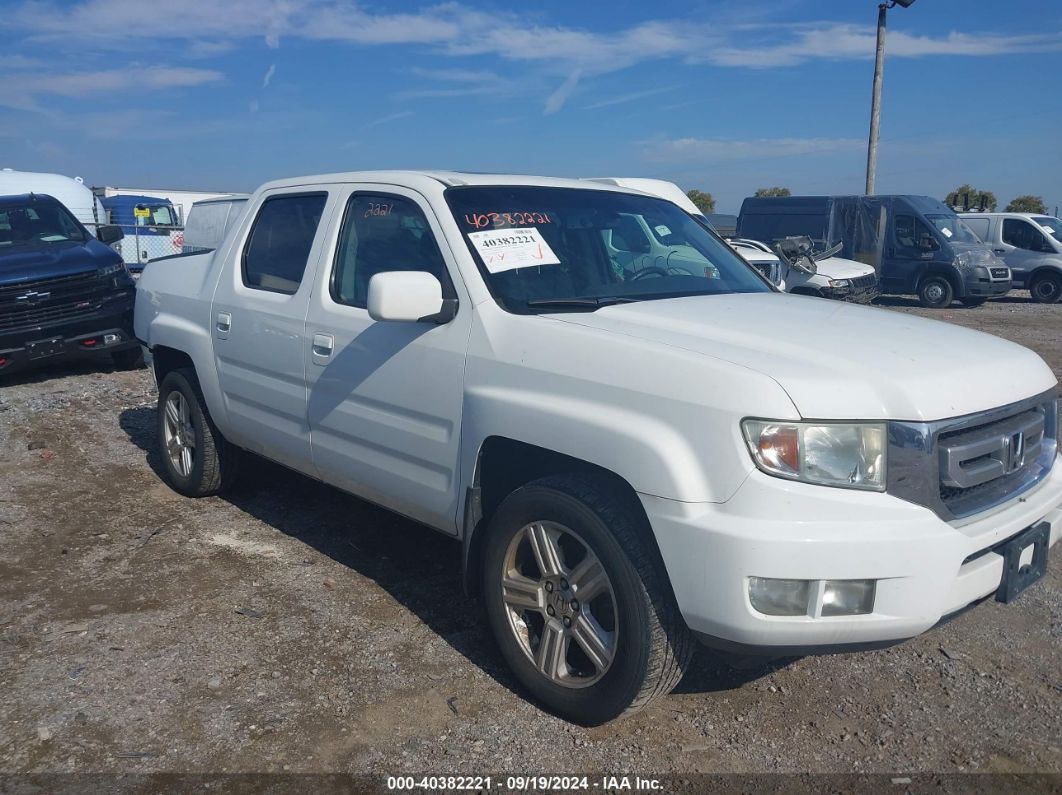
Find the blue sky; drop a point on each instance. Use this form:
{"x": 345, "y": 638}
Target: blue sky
{"x": 722, "y": 96}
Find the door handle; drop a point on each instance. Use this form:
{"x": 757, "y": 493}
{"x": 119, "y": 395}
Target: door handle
{"x": 322, "y": 347}
{"x": 224, "y": 322}
{"x": 999, "y": 251}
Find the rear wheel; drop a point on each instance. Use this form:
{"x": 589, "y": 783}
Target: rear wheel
{"x": 935, "y": 292}
{"x": 1046, "y": 288}
{"x": 196, "y": 459}
{"x": 578, "y": 601}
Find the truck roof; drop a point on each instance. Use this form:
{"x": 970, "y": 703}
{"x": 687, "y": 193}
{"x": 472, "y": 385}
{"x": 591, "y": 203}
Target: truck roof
{"x": 447, "y": 178}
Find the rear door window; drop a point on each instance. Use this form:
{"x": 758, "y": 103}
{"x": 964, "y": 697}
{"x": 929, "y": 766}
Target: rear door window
{"x": 278, "y": 247}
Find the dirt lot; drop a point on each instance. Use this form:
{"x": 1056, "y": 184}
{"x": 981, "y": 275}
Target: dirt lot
{"x": 290, "y": 627}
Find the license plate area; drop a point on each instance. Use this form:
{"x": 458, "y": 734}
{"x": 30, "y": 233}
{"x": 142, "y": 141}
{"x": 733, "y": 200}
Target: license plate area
{"x": 1016, "y": 578}
{"x": 44, "y": 348}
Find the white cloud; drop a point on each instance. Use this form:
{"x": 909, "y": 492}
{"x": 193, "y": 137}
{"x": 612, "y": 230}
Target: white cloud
{"x": 456, "y": 30}
{"x": 402, "y": 114}
{"x": 705, "y": 150}
{"x": 18, "y": 90}
{"x": 854, "y": 42}
{"x": 272, "y": 70}
{"x": 556, "y": 100}
{"x": 632, "y": 97}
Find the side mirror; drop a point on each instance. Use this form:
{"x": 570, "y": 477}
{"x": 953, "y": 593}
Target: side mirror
{"x": 109, "y": 233}
{"x": 409, "y": 296}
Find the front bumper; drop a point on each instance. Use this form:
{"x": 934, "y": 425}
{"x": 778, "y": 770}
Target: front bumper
{"x": 19, "y": 349}
{"x": 924, "y": 568}
{"x": 979, "y": 282}
{"x": 855, "y": 294}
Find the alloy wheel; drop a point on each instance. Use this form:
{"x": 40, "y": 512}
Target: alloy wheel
{"x": 560, "y": 604}
{"x": 179, "y": 433}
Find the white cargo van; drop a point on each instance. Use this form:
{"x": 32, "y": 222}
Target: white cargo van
{"x": 1030, "y": 244}
{"x": 208, "y": 221}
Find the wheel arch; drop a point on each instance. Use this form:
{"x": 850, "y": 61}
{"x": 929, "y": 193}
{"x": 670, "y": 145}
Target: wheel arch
{"x": 504, "y": 465}
{"x": 947, "y": 272}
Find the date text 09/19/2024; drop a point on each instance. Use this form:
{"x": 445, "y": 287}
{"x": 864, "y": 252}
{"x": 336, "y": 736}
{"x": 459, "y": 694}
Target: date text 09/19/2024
{"x": 523, "y": 783}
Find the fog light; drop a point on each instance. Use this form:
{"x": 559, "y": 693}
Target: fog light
{"x": 779, "y": 597}
{"x": 848, "y": 597}
{"x": 110, "y": 339}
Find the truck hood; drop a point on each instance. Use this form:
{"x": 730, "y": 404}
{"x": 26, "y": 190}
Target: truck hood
{"x": 838, "y": 360}
{"x": 49, "y": 262}
{"x": 841, "y": 268}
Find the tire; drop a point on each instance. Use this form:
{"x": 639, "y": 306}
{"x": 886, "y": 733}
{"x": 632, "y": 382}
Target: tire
{"x": 1046, "y": 288}
{"x": 973, "y": 303}
{"x": 206, "y": 466}
{"x": 935, "y": 292}
{"x": 129, "y": 359}
{"x": 632, "y": 625}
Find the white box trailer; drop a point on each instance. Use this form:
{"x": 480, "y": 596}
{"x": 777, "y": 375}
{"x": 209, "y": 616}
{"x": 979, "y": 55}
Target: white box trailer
{"x": 74, "y": 194}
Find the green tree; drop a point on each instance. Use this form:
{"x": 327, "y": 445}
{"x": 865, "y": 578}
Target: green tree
{"x": 1026, "y": 204}
{"x": 704, "y": 201}
{"x": 957, "y": 198}
{"x": 769, "y": 193}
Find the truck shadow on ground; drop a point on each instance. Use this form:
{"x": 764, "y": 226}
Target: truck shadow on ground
{"x": 48, "y": 370}
{"x": 417, "y": 566}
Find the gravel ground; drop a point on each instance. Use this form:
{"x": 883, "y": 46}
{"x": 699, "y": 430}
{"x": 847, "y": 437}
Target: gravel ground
{"x": 289, "y": 627}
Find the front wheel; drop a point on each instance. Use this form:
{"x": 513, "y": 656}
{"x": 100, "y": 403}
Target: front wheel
{"x": 196, "y": 459}
{"x": 578, "y": 600}
{"x": 1046, "y": 288}
{"x": 935, "y": 292}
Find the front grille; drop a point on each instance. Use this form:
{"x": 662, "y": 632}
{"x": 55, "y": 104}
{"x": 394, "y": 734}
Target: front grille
{"x": 47, "y": 315}
{"x": 766, "y": 269}
{"x": 58, "y": 287}
{"x": 864, "y": 282}
{"x": 989, "y": 459}
{"x": 962, "y": 466}
{"x": 45, "y": 302}
{"x": 1000, "y": 273}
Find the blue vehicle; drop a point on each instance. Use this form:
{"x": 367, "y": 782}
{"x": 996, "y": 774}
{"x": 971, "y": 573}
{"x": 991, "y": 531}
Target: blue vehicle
{"x": 150, "y": 226}
{"x": 62, "y": 291}
{"x": 917, "y": 244}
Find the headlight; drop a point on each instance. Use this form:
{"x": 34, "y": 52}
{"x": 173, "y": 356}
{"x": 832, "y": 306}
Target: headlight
{"x": 851, "y": 455}
{"x": 840, "y": 283}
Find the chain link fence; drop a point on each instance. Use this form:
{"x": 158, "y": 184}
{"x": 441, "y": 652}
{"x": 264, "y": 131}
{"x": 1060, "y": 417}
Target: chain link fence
{"x": 144, "y": 243}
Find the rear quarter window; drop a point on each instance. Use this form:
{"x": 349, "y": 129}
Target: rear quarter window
{"x": 274, "y": 258}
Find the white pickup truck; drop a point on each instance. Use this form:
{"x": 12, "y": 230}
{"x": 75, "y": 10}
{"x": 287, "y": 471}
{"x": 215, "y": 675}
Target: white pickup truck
{"x": 631, "y": 457}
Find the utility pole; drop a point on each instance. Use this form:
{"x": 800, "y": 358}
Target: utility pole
{"x": 875, "y": 101}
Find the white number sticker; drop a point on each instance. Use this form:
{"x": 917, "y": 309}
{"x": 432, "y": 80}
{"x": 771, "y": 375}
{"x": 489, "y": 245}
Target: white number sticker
{"x": 508, "y": 249}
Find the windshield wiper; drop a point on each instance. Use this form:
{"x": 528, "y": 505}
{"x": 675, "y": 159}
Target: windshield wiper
{"x": 577, "y": 301}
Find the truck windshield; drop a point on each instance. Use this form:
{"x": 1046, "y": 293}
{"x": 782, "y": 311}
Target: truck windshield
{"x": 38, "y": 223}
{"x": 953, "y": 228}
{"x": 566, "y": 249}
{"x": 160, "y": 215}
{"x": 1051, "y": 225}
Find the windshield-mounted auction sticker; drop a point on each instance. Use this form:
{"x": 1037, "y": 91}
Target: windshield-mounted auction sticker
{"x": 508, "y": 249}
{"x": 947, "y": 232}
